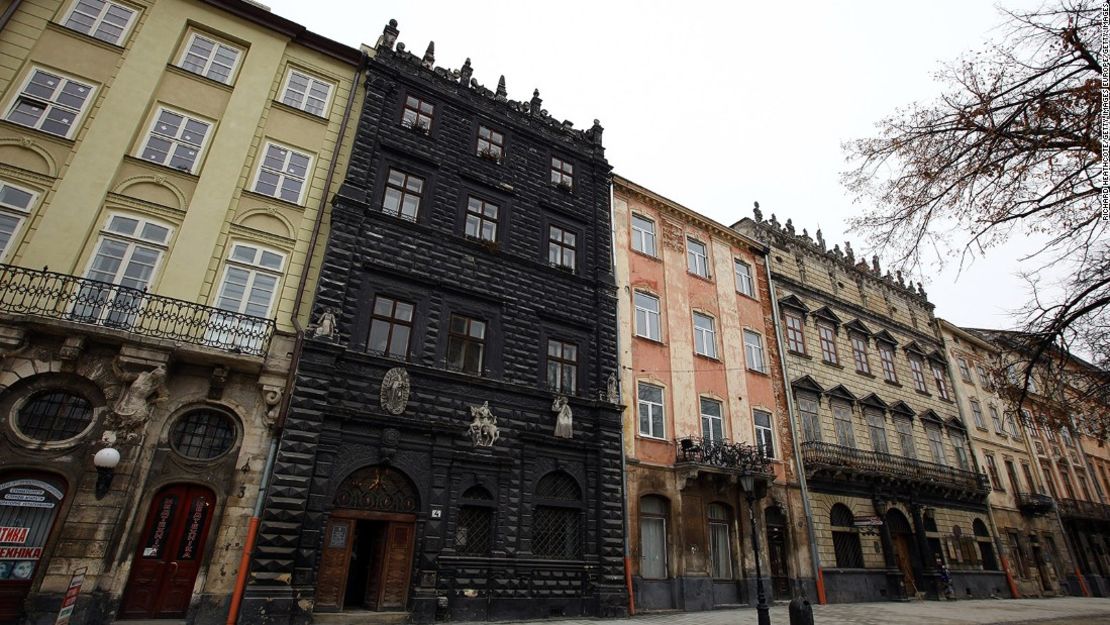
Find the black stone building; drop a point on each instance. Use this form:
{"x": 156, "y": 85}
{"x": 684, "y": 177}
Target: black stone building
{"x": 428, "y": 462}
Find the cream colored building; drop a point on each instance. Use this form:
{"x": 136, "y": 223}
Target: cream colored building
{"x": 164, "y": 172}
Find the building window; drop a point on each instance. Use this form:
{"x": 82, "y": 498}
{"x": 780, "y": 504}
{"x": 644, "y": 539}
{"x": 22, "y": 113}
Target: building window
{"x": 491, "y": 144}
{"x": 992, "y": 472}
{"x": 210, "y": 58}
{"x": 986, "y": 546}
{"x": 403, "y": 193}
{"x": 977, "y": 413}
{"x": 417, "y": 114}
{"x": 649, "y": 403}
{"x": 202, "y": 434}
{"x": 653, "y": 537}
{"x": 562, "y": 173}
{"x": 282, "y": 173}
{"x": 561, "y": 246}
{"x": 876, "y": 426}
{"x": 249, "y": 287}
{"x": 390, "y": 327}
{"x": 764, "y": 435}
{"x": 984, "y": 379}
{"x": 744, "y": 282}
{"x": 1046, "y": 471}
{"x": 811, "y": 424}
{"x": 795, "y": 332}
{"x": 918, "y": 374}
{"x": 720, "y": 545}
{"x": 50, "y": 103}
{"x": 1013, "y": 427}
{"x": 556, "y": 522}
{"x": 474, "y": 528}
{"x": 939, "y": 379}
{"x": 697, "y": 258}
{"x": 753, "y": 351}
{"x": 886, "y": 355}
{"x": 1011, "y": 472}
{"x": 481, "y": 219}
{"x": 126, "y": 259}
{"x": 904, "y": 427}
{"x": 307, "y": 93}
{"x": 643, "y": 235}
{"x": 965, "y": 372}
{"x": 562, "y": 366}
{"x": 712, "y": 424}
{"x": 15, "y": 203}
{"x": 466, "y": 340}
{"x": 997, "y": 420}
{"x": 936, "y": 444}
{"x": 647, "y": 316}
{"x": 56, "y": 415}
{"x": 175, "y": 140}
{"x": 107, "y": 21}
{"x": 705, "y": 337}
{"x": 842, "y": 415}
{"x": 859, "y": 353}
{"x": 827, "y": 337}
{"x": 846, "y": 543}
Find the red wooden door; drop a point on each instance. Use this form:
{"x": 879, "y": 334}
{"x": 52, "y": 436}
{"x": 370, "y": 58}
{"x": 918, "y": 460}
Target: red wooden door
{"x": 170, "y": 551}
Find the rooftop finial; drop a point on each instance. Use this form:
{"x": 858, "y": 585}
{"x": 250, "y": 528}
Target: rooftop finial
{"x": 757, "y": 213}
{"x": 790, "y": 226}
{"x": 875, "y": 264}
{"x": 849, "y": 253}
{"x": 820, "y": 240}
{"x": 594, "y": 133}
{"x": 535, "y": 106}
{"x": 429, "y": 59}
{"x": 389, "y": 36}
{"x": 502, "y": 94}
{"x": 774, "y": 221}
{"x": 465, "y": 73}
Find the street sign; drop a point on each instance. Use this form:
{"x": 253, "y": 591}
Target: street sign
{"x": 70, "y": 599}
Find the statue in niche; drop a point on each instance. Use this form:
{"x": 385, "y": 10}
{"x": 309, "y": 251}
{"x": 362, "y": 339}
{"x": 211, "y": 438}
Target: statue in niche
{"x": 483, "y": 429}
{"x": 133, "y": 407}
{"x": 563, "y": 417}
{"x": 395, "y": 390}
{"x": 613, "y": 394}
{"x": 326, "y": 326}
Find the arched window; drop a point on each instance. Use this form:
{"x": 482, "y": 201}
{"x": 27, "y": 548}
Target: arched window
{"x": 720, "y": 547}
{"x": 54, "y": 415}
{"x": 653, "y": 537}
{"x": 202, "y": 434}
{"x": 849, "y": 553}
{"x": 557, "y": 524}
{"x": 474, "y": 527}
{"x": 986, "y": 546}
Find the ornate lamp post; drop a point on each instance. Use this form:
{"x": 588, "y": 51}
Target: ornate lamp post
{"x": 747, "y": 482}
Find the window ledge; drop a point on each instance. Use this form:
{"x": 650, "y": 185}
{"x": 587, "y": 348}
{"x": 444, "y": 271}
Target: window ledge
{"x": 66, "y": 141}
{"x": 708, "y": 279}
{"x": 865, "y": 374}
{"x": 893, "y": 383}
{"x": 745, "y": 295}
{"x": 831, "y": 364}
{"x": 924, "y": 393}
{"x": 89, "y": 38}
{"x": 758, "y": 372}
{"x": 648, "y": 339}
{"x": 645, "y": 254}
{"x": 186, "y": 174}
{"x": 654, "y": 439}
{"x": 301, "y": 113}
{"x": 263, "y": 196}
{"x": 707, "y": 357}
{"x": 799, "y": 354}
{"x": 174, "y": 69}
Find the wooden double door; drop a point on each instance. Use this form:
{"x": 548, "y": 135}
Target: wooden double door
{"x": 366, "y": 562}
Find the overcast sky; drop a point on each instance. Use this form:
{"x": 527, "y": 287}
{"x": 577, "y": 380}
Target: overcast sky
{"x": 717, "y": 104}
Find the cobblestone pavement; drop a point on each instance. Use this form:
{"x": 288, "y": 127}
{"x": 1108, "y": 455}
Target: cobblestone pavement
{"x": 1061, "y": 611}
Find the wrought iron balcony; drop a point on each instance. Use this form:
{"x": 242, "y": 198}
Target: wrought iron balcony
{"x": 1035, "y": 503}
{"x": 719, "y": 453}
{"x": 838, "y": 462}
{"x": 48, "y": 294}
{"x": 1088, "y": 510}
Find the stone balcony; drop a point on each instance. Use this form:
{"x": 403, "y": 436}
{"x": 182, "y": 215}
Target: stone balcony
{"x": 1083, "y": 510}
{"x": 1034, "y": 503}
{"x": 721, "y": 459}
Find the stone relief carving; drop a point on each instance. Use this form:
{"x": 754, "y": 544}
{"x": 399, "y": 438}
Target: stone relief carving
{"x": 395, "y": 390}
{"x": 612, "y": 392}
{"x": 563, "y": 417}
{"x": 325, "y": 326}
{"x": 271, "y": 396}
{"x": 672, "y": 236}
{"x": 145, "y": 389}
{"x": 483, "y": 429}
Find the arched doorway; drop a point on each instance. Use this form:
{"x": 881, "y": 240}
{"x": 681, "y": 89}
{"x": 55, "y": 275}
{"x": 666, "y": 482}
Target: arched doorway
{"x": 905, "y": 550}
{"x": 29, "y": 505}
{"x": 170, "y": 552}
{"x": 367, "y": 554}
{"x": 775, "y": 521}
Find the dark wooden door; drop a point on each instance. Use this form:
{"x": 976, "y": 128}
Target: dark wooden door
{"x": 902, "y": 555}
{"x": 396, "y": 566}
{"x": 331, "y": 583}
{"x": 171, "y": 549}
{"x": 776, "y": 551}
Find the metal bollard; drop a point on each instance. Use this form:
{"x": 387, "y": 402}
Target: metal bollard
{"x": 801, "y": 612}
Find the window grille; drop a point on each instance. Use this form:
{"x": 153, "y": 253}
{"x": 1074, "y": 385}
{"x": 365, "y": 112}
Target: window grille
{"x": 556, "y": 524}
{"x": 54, "y": 416}
{"x": 846, "y": 543}
{"x": 474, "y": 531}
{"x": 202, "y": 434}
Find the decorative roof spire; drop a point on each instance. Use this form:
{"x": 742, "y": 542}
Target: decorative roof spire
{"x": 535, "y": 106}
{"x": 875, "y": 264}
{"x": 594, "y": 133}
{"x": 501, "y": 94}
{"x": 429, "y": 59}
{"x": 465, "y": 73}
{"x": 820, "y": 240}
{"x": 389, "y": 36}
{"x": 849, "y": 253}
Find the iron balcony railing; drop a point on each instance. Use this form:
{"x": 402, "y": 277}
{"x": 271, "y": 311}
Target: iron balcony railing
{"x": 1034, "y": 503}
{"x": 1079, "y": 509}
{"x": 856, "y": 463}
{"x": 43, "y": 293}
{"x": 720, "y": 453}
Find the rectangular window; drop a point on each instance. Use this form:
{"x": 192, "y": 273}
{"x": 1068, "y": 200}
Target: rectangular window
{"x": 51, "y": 103}
{"x": 959, "y": 443}
{"x": 697, "y": 258}
{"x": 643, "y": 235}
{"x": 918, "y": 374}
{"x": 466, "y": 342}
{"x": 764, "y": 435}
{"x": 210, "y": 58}
{"x": 390, "y": 327}
{"x": 653, "y": 546}
{"x": 965, "y": 372}
{"x": 720, "y": 547}
{"x": 1048, "y": 480}
{"x": 481, "y": 219}
{"x": 15, "y": 204}
{"x": 1011, "y": 472}
{"x": 795, "y": 332}
{"x": 904, "y": 427}
{"x": 712, "y": 424}
{"x": 562, "y": 173}
{"x": 1028, "y": 472}
{"x": 307, "y": 93}
{"x": 876, "y": 425}
{"x": 491, "y": 144}
{"x": 562, "y": 366}
{"x": 649, "y": 403}
{"x": 282, "y": 173}
{"x": 1012, "y": 425}
{"x": 175, "y": 140}
{"x": 249, "y": 287}
{"x": 939, "y": 378}
{"x": 859, "y": 354}
{"x": 705, "y": 337}
{"x": 753, "y": 351}
{"x": 647, "y": 316}
{"x": 417, "y": 114}
{"x": 811, "y": 424}
{"x": 827, "y": 337}
{"x": 107, "y": 21}
{"x": 992, "y": 471}
{"x": 403, "y": 193}
{"x": 996, "y": 419}
{"x": 744, "y": 282}
{"x": 936, "y": 444}
{"x": 561, "y": 247}
{"x": 127, "y": 256}
{"x": 984, "y": 379}
{"x": 977, "y": 413}
{"x": 1065, "y": 479}
{"x": 842, "y": 415}
{"x": 886, "y": 355}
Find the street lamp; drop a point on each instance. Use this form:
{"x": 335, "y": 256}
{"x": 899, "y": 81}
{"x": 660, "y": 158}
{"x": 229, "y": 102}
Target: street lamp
{"x": 106, "y": 460}
{"x": 747, "y": 482}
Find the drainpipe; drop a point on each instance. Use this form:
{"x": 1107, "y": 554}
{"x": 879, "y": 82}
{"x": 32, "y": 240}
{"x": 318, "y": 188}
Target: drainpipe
{"x": 8, "y": 13}
{"x": 624, "y": 471}
{"x": 818, "y": 576}
{"x": 252, "y": 529}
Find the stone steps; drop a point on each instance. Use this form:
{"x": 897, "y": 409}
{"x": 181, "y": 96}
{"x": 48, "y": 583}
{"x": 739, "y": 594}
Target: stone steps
{"x": 360, "y": 617}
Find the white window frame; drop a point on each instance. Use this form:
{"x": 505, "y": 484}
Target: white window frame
{"x": 754, "y": 354}
{"x": 640, "y": 237}
{"x": 977, "y": 413}
{"x": 965, "y": 370}
{"x": 19, "y": 213}
{"x": 936, "y": 444}
{"x": 700, "y": 260}
{"x": 652, "y": 408}
{"x": 78, "y": 114}
{"x": 176, "y": 140}
{"x": 648, "y": 317}
{"x": 706, "y": 338}
{"x": 99, "y": 19}
{"x": 283, "y": 174}
{"x": 312, "y": 79}
{"x": 719, "y": 419}
{"x": 208, "y": 62}
{"x": 745, "y": 282}
{"x": 216, "y": 334}
{"x": 764, "y": 434}
{"x": 92, "y": 293}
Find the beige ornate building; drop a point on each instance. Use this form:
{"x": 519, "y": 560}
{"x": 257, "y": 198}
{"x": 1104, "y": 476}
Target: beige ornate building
{"x": 163, "y": 174}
